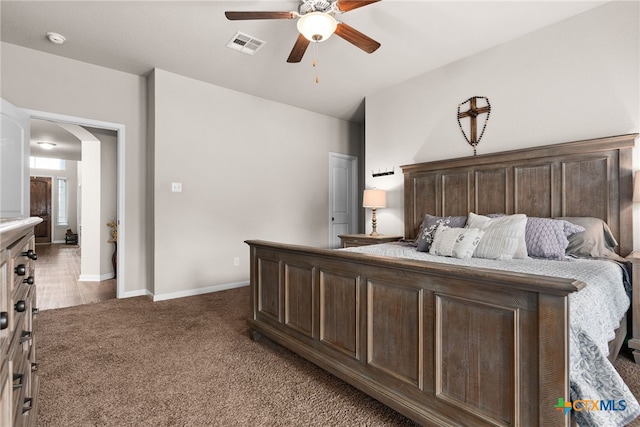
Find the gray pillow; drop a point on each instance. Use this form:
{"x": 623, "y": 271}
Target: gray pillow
{"x": 547, "y": 237}
{"x": 596, "y": 241}
{"x": 429, "y": 225}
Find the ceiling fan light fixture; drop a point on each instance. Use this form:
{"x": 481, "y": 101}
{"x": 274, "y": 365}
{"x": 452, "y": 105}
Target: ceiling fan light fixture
{"x": 317, "y": 26}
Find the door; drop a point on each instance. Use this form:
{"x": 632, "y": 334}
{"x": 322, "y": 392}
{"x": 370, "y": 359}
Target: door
{"x": 14, "y": 162}
{"x": 343, "y": 197}
{"x": 41, "y": 206}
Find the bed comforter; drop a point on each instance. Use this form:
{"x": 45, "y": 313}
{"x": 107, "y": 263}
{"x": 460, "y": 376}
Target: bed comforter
{"x": 595, "y": 314}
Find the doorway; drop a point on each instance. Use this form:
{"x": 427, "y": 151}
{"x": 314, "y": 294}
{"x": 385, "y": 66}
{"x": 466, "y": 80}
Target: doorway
{"x": 40, "y": 202}
{"x": 119, "y": 130}
{"x": 343, "y": 197}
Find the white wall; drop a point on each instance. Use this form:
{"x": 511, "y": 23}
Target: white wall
{"x": 249, "y": 168}
{"x": 574, "y": 80}
{"x": 92, "y": 223}
{"x": 39, "y": 81}
{"x": 99, "y": 205}
{"x": 108, "y": 197}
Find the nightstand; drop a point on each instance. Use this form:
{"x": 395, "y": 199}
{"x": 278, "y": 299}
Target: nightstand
{"x": 634, "y": 341}
{"x": 350, "y": 240}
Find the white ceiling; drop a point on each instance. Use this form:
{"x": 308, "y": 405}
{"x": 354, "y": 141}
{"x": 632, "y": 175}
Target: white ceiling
{"x": 67, "y": 145}
{"x": 189, "y": 38}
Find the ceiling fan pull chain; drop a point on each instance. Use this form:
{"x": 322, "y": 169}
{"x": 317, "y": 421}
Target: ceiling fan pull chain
{"x": 315, "y": 62}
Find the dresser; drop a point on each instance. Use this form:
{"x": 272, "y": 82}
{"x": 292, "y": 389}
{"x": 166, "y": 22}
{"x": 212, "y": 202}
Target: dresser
{"x": 350, "y": 240}
{"x": 18, "y": 379}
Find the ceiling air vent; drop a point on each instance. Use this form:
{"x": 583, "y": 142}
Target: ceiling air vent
{"x": 245, "y": 43}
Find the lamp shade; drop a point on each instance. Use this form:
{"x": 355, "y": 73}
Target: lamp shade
{"x": 636, "y": 187}
{"x": 317, "y": 26}
{"x": 374, "y": 199}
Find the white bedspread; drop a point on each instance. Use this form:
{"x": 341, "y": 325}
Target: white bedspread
{"x": 595, "y": 312}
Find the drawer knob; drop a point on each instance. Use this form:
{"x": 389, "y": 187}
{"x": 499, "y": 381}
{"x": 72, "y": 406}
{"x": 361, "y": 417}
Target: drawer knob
{"x": 28, "y": 405}
{"x": 25, "y": 336}
{"x": 35, "y": 310}
{"x": 30, "y": 254}
{"x": 21, "y": 306}
{"x": 17, "y": 377}
{"x": 29, "y": 280}
{"x": 21, "y": 270}
{"x": 4, "y": 320}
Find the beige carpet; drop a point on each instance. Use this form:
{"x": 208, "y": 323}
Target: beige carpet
{"x": 190, "y": 362}
{"x": 630, "y": 372}
{"x": 183, "y": 362}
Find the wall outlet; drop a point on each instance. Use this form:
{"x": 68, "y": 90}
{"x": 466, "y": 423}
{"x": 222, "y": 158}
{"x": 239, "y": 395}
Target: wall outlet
{"x": 176, "y": 187}
{"x": 236, "y": 262}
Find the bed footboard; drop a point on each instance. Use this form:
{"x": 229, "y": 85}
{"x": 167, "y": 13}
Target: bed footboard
{"x": 440, "y": 345}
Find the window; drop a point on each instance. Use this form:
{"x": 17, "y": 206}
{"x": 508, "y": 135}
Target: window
{"x": 47, "y": 163}
{"x": 62, "y": 201}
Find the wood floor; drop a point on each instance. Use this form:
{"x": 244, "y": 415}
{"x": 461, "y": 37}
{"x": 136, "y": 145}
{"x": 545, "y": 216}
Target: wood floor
{"x": 57, "y": 273}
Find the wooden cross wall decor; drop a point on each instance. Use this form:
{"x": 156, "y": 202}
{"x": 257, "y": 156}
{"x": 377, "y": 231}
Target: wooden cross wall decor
{"x": 473, "y": 112}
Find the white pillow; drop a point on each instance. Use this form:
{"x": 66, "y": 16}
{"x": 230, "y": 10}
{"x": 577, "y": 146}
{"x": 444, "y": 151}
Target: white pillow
{"x": 504, "y": 236}
{"x": 455, "y": 242}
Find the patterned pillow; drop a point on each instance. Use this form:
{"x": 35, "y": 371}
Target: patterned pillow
{"x": 521, "y": 252}
{"x": 455, "y": 242}
{"x": 429, "y": 225}
{"x": 503, "y": 236}
{"x": 547, "y": 237}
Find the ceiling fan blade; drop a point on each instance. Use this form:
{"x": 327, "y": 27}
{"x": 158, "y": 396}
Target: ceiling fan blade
{"x": 347, "y": 5}
{"x": 298, "y": 49}
{"x": 356, "y": 38}
{"x": 236, "y": 16}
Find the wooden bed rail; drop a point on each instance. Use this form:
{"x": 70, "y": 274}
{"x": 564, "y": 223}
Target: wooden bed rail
{"x": 441, "y": 345}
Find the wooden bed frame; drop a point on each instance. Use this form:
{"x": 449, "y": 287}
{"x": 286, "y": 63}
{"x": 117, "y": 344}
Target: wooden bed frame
{"x": 450, "y": 345}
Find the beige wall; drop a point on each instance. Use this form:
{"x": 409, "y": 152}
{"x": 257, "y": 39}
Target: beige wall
{"x": 574, "y": 80}
{"x": 249, "y": 168}
{"x": 39, "y": 81}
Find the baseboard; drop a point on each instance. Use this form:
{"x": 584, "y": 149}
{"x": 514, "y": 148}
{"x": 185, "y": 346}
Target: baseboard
{"x": 200, "y": 291}
{"x": 56, "y": 242}
{"x": 138, "y": 293}
{"x": 95, "y": 277}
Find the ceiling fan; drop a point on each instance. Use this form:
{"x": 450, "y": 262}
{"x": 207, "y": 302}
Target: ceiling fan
{"x": 316, "y": 22}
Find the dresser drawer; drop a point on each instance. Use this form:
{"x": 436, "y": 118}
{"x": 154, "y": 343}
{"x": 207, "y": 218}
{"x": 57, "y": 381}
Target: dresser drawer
{"x": 18, "y": 381}
{"x": 6, "y": 394}
{"x": 5, "y": 303}
{"x": 24, "y": 300}
{"x": 21, "y": 264}
{"x": 19, "y": 270}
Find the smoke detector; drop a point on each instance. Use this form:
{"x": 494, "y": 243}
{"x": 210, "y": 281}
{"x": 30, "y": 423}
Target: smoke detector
{"x": 56, "y": 38}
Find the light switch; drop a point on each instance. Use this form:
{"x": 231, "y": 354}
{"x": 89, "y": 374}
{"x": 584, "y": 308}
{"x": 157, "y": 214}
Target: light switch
{"x": 176, "y": 187}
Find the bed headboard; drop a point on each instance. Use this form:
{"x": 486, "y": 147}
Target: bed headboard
{"x": 581, "y": 178}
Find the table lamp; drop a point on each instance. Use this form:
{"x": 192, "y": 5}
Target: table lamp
{"x": 374, "y": 199}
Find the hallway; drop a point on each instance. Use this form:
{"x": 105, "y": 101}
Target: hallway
{"x": 57, "y": 272}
